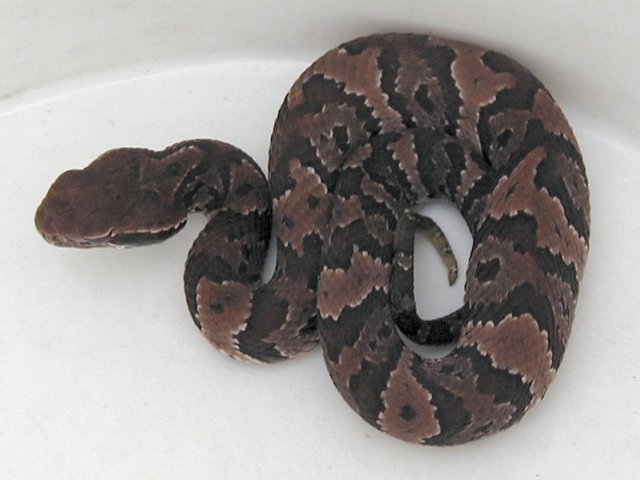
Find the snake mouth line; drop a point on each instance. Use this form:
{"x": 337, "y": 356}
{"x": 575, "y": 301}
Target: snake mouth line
{"x": 144, "y": 237}
{"x": 112, "y": 238}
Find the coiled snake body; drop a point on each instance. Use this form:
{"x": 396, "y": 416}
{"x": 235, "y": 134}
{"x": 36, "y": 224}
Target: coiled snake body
{"x": 371, "y": 130}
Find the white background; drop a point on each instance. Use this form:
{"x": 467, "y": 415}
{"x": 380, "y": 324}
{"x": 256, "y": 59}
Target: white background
{"x": 102, "y": 373}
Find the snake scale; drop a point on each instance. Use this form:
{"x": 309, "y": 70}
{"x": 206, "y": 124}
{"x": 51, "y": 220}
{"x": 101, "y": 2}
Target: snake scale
{"x": 371, "y": 130}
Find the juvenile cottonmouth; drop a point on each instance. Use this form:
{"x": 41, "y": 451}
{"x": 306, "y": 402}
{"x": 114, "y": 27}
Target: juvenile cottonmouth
{"x": 371, "y": 130}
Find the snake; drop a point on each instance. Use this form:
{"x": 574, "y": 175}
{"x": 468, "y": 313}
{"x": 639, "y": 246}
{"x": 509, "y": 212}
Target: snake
{"x": 370, "y": 132}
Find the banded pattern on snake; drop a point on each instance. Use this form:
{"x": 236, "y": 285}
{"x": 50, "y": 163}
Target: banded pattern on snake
{"x": 373, "y": 129}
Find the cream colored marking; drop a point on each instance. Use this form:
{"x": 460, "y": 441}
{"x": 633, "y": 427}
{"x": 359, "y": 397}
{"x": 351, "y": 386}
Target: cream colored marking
{"x": 404, "y": 391}
{"x": 519, "y": 193}
{"x": 341, "y": 288}
{"x": 515, "y": 344}
{"x": 222, "y": 329}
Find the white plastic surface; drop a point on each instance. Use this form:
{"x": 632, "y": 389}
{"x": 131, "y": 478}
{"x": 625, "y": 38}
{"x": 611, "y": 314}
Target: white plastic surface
{"x": 102, "y": 373}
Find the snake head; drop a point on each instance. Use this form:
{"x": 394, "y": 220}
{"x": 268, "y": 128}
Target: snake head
{"x": 123, "y": 198}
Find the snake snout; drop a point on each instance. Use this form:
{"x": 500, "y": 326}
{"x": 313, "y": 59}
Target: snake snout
{"x": 62, "y": 217}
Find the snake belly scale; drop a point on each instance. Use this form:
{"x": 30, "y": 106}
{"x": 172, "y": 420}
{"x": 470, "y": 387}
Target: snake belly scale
{"x": 370, "y": 131}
